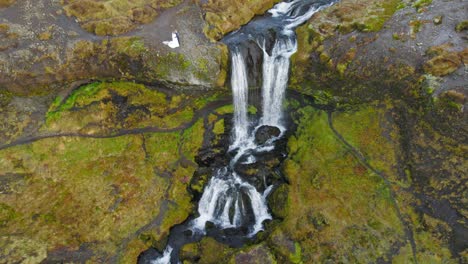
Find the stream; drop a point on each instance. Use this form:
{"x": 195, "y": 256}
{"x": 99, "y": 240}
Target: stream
{"x": 232, "y": 206}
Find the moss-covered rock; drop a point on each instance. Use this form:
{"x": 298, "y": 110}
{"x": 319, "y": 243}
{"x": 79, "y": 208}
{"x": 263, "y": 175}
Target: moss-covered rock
{"x": 115, "y": 17}
{"x": 223, "y": 17}
{"x": 257, "y": 254}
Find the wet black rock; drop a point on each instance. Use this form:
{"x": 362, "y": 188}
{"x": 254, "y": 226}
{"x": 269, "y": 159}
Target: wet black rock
{"x": 148, "y": 256}
{"x": 264, "y": 133}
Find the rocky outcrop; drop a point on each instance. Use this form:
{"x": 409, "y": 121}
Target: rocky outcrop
{"x": 42, "y": 49}
{"x": 344, "y": 52}
{"x": 115, "y": 17}
{"x": 224, "y": 16}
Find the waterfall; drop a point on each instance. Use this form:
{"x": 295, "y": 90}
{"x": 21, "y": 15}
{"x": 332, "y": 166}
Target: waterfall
{"x": 275, "y": 79}
{"x": 240, "y": 90}
{"x": 228, "y": 201}
{"x": 226, "y": 197}
{"x": 223, "y": 203}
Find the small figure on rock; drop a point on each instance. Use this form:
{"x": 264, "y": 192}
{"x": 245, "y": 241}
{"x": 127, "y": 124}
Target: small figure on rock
{"x": 174, "y": 43}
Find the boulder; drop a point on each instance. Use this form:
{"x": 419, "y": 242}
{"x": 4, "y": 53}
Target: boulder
{"x": 265, "y": 133}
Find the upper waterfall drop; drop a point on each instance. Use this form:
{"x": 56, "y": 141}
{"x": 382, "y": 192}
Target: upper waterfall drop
{"x": 240, "y": 90}
{"x": 275, "y": 80}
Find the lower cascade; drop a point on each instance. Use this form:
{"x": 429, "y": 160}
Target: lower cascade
{"x": 229, "y": 201}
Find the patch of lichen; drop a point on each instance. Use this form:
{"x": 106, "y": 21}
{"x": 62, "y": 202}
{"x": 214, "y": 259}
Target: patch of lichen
{"x": 21, "y": 249}
{"x": 224, "y": 16}
{"x": 420, "y": 4}
{"x": 166, "y": 64}
{"x": 444, "y": 61}
{"x": 8, "y": 39}
{"x": 106, "y": 107}
{"x": 6, "y": 3}
{"x": 115, "y": 17}
{"x": 462, "y": 26}
{"x": 258, "y": 254}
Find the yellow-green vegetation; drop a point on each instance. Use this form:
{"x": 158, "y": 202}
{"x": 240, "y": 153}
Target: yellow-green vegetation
{"x": 444, "y": 61}
{"x": 6, "y": 3}
{"x": 462, "y": 26}
{"x": 62, "y": 193}
{"x": 7, "y": 38}
{"x": 415, "y": 27}
{"x": 114, "y": 17}
{"x": 419, "y": 4}
{"x": 171, "y": 62}
{"x": 207, "y": 251}
{"x": 363, "y": 130}
{"x": 224, "y": 16}
{"x": 338, "y": 209}
{"x": 106, "y": 107}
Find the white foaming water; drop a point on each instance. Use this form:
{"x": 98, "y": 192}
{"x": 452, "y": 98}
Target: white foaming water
{"x": 165, "y": 258}
{"x": 240, "y": 92}
{"x": 275, "y": 79}
{"x": 222, "y": 203}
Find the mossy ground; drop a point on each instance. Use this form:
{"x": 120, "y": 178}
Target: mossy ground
{"x": 338, "y": 209}
{"x": 106, "y": 107}
{"x": 114, "y": 17}
{"x": 115, "y": 196}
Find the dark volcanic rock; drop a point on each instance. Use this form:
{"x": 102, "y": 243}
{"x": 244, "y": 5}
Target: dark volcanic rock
{"x": 264, "y": 133}
{"x": 148, "y": 256}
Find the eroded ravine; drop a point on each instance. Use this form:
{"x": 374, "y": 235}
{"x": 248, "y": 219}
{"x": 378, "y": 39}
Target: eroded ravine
{"x": 232, "y": 207}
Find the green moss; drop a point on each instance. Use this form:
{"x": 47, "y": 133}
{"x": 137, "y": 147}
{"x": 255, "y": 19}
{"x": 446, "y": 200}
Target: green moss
{"x": 132, "y": 46}
{"x": 415, "y": 27}
{"x": 118, "y": 183}
{"x": 376, "y": 22}
{"x": 334, "y": 197}
{"x": 219, "y": 127}
{"x": 202, "y": 72}
{"x": 5, "y": 97}
{"x": 296, "y": 258}
{"x": 166, "y": 64}
{"x": 462, "y": 26}
{"x": 419, "y": 4}
{"x": 115, "y": 105}
{"x": 7, "y": 214}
